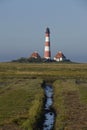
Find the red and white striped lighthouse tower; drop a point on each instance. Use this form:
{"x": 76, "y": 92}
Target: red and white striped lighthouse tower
{"x": 47, "y": 52}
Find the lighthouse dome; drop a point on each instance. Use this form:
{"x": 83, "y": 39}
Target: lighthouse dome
{"x": 47, "y": 30}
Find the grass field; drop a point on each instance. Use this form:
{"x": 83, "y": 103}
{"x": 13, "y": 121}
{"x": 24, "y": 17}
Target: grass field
{"x": 21, "y": 95}
{"x": 70, "y": 103}
{"x": 21, "y": 103}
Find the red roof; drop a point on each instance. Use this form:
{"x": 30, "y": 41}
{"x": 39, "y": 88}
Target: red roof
{"x": 60, "y": 55}
{"x": 35, "y": 55}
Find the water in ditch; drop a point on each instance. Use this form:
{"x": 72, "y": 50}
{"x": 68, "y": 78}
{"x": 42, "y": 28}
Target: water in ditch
{"x": 49, "y": 114}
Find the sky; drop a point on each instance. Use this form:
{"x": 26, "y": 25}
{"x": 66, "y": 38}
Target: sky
{"x": 23, "y": 24}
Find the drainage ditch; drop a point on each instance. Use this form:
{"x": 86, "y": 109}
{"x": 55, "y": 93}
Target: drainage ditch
{"x": 49, "y": 115}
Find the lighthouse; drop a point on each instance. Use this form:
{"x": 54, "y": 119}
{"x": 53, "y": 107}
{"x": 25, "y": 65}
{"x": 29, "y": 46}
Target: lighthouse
{"x": 47, "y": 52}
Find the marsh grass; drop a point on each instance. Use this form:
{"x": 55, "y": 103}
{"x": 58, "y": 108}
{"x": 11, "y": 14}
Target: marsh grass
{"x": 43, "y": 70}
{"x": 21, "y": 95}
{"x": 19, "y": 98}
{"x": 70, "y": 103}
{"x": 83, "y": 92}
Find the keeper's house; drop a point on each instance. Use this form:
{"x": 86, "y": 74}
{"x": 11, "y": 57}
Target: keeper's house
{"x": 35, "y": 55}
{"x": 60, "y": 57}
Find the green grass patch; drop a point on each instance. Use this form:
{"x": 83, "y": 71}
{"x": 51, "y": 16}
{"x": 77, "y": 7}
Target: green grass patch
{"x": 83, "y": 91}
{"x": 20, "y": 100}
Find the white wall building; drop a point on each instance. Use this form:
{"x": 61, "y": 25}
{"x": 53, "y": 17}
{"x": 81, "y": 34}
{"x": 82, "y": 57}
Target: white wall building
{"x": 59, "y": 57}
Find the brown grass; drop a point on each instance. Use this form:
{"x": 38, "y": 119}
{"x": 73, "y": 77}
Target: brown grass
{"x": 71, "y": 111}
